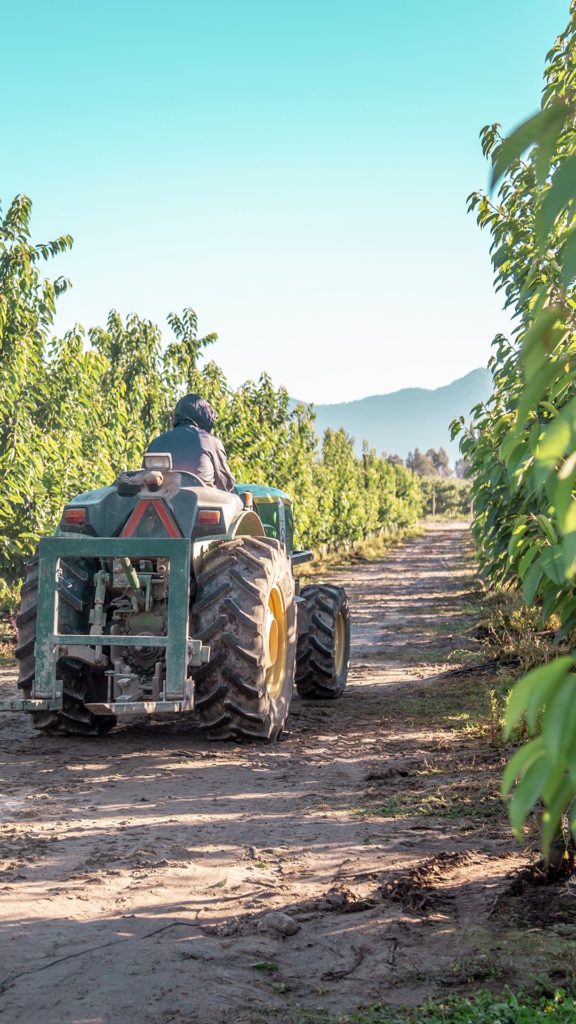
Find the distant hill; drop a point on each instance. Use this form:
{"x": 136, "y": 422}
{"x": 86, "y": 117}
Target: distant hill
{"x": 407, "y": 419}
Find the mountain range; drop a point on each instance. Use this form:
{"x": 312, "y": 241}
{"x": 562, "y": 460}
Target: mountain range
{"x": 398, "y": 422}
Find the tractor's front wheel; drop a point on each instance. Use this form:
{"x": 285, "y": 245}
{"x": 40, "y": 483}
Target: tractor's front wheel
{"x": 245, "y": 610}
{"x": 324, "y": 648}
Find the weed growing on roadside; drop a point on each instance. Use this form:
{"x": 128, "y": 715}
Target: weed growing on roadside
{"x": 368, "y": 550}
{"x": 515, "y": 632}
{"x": 484, "y": 1008}
{"x": 468, "y": 800}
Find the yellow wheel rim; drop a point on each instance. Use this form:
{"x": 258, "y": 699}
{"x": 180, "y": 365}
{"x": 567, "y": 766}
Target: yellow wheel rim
{"x": 339, "y": 643}
{"x": 275, "y": 643}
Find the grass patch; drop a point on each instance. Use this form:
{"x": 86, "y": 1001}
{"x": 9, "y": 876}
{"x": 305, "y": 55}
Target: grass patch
{"x": 516, "y": 633}
{"x": 473, "y": 705}
{"x": 369, "y": 550}
{"x": 484, "y": 1008}
{"x": 462, "y": 704}
{"x": 462, "y": 800}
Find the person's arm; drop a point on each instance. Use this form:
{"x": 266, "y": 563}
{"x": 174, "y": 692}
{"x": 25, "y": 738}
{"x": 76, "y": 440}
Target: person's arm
{"x": 222, "y": 474}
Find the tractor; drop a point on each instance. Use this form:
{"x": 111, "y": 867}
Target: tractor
{"x": 159, "y": 595}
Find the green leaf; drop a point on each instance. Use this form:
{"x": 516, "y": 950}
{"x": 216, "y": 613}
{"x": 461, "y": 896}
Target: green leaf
{"x": 535, "y": 435}
{"x": 527, "y": 559}
{"x": 552, "y": 817}
{"x": 512, "y": 442}
{"x": 571, "y": 764}
{"x": 568, "y": 467}
{"x": 540, "y": 339}
{"x": 549, "y": 602}
{"x": 567, "y": 618}
{"x": 533, "y": 391}
{"x": 569, "y": 554}
{"x": 526, "y": 794}
{"x": 264, "y": 965}
{"x": 521, "y": 694}
{"x": 518, "y": 462}
{"x": 547, "y": 145}
{"x": 517, "y": 536}
{"x": 561, "y": 496}
{"x": 552, "y": 562}
{"x": 519, "y": 763}
{"x": 561, "y": 191}
{"x": 531, "y": 582}
{"x": 555, "y": 440}
{"x": 553, "y": 780}
{"x": 500, "y": 256}
{"x": 540, "y": 697}
{"x": 538, "y": 127}
{"x": 559, "y": 721}
{"x": 547, "y": 528}
{"x": 548, "y": 407}
{"x": 568, "y": 259}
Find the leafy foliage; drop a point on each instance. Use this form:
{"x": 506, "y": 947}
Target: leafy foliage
{"x": 484, "y": 1008}
{"x": 76, "y": 410}
{"x": 522, "y": 443}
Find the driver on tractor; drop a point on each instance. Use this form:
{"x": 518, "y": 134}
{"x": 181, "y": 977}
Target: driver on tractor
{"x": 193, "y": 447}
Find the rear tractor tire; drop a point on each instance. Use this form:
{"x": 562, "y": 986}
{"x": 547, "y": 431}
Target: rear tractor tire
{"x": 324, "y": 649}
{"x": 245, "y": 609}
{"x": 75, "y": 594}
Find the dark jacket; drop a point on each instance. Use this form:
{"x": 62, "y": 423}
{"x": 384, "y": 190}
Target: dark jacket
{"x": 194, "y": 450}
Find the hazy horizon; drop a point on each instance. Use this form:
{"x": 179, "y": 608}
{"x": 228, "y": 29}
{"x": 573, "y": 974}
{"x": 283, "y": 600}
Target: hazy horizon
{"x": 396, "y": 391}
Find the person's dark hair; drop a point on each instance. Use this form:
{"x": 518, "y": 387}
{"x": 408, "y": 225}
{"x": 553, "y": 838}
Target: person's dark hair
{"x": 196, "y": 410}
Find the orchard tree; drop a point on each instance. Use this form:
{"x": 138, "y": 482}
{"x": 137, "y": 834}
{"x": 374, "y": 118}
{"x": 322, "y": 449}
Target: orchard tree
{"x": 27, "y": 307}
{"x": 521, "y": 444}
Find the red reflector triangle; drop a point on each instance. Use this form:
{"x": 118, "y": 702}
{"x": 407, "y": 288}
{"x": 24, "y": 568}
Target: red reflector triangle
{"x": 151, "y": 518}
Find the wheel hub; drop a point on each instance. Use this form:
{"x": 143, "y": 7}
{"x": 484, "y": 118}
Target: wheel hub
{"x": 275, "y": 642}
{"x": 272, "y": 640}
{"x": 339, "y": 643}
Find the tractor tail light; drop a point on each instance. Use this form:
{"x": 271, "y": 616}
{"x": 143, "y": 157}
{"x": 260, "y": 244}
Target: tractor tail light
{"x": 74, "y": 516}
{"x": 208, "y": 517}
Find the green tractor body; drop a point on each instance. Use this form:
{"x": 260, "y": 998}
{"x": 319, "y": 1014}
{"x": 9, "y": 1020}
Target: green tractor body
{"x": 158, "y": 594}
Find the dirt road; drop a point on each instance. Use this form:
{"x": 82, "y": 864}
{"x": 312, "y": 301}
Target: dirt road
{"x": 137, "y": 871}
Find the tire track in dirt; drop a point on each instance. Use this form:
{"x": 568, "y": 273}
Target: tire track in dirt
{"x": 136, "y": 871}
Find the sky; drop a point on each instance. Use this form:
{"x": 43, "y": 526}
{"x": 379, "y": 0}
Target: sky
{"x": 296, "y": 172}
